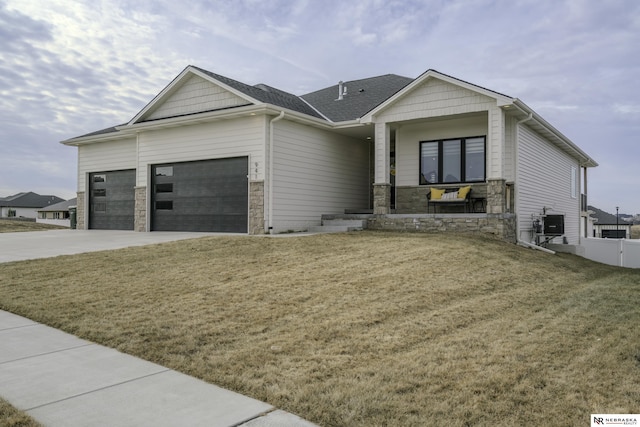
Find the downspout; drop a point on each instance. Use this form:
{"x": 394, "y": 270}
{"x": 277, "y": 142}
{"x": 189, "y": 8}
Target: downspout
{"x": 516, "y": 198}
{"x": 269, "y": 225}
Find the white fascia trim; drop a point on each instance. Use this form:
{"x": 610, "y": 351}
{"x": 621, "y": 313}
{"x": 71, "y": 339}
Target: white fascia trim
{"x": 501, "y": 100}
{"x": 169, "y": 89}
{"x": 585, "y": 159}
{"x": 129, "y": 130}
{"x": 229, "y": 113}
{"x": 111, "y": 136}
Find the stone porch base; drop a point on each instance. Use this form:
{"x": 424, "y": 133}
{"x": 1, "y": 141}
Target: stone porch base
{"x": 502, "y": 225}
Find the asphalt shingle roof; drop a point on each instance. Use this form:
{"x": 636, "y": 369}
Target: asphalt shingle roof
{"x": 267, "y": 94}
{"x": 29, "y": 200}
{"x": 62, "y": 206}
{"x": 362, "y": 96}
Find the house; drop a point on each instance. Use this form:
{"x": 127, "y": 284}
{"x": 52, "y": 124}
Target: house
{"x": 25, "y": 205}
{"x": 606, "y": 225}
{"x": 57, "y": 214}
{"x": 209, "y": 153}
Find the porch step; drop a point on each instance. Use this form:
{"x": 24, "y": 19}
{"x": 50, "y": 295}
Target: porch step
{"x": 339, "y": 225}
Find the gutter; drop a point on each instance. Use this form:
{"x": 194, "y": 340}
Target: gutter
{"x": 587, "y": 161}
{"x": 269, "y": 222}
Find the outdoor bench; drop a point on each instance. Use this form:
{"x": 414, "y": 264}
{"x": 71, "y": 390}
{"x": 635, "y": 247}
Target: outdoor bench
{"x": 449, "y": 197}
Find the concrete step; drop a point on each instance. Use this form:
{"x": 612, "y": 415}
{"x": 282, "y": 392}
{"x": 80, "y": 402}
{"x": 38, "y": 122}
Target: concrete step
{"x": 333, "y": 229}
{"x": 339, "y": 222}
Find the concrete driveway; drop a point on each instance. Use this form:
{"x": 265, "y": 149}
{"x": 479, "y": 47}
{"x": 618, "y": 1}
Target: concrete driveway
{"x": 45, "y": 244}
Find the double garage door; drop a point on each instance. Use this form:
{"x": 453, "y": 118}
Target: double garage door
{"x": 209, "y": 195}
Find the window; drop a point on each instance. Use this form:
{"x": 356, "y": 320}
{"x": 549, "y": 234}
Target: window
{"x": 100, "y": 192}
{"x": 164, "y": 205}
{"x": 164, "y": 188}
{"x": 452, "y": 160}
{"x": 574, "y": 183}
{"x": 100, "y": 178}
{"x": 164, "y": 171}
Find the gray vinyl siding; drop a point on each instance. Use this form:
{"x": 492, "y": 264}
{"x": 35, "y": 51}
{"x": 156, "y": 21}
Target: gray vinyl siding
{"x": 105, "y": 156}
{"x": 221, "y": 139}
{"x": 315, "y": 173}
{"x": 194, "y": 96}
{"x": 544, "y": 180}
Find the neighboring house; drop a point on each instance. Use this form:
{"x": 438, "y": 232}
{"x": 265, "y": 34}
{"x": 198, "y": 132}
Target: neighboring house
{"x": 209, "y": 153}
{"x": 25, "y": 205}
{"x": 606, "y": 226}
{"x": 57, "y": 214}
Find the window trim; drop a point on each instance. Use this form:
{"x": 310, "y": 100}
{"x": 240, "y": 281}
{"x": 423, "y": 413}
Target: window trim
{"x": 463, "y": 160}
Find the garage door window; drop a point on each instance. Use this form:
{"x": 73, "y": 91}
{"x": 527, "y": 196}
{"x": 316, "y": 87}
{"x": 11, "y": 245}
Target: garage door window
{"x": 164, "y": 188}
{"x": 164, "y": 171}
{"x": 164, "y": 205}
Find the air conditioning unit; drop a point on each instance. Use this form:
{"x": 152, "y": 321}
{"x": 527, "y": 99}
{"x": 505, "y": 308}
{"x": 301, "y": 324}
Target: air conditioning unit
{"x": 554, "y": 225}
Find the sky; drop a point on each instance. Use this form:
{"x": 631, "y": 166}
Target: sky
{"x": 70, "y": 67}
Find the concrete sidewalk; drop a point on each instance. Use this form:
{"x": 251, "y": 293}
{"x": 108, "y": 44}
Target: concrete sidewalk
{"x": 61, "y": 380}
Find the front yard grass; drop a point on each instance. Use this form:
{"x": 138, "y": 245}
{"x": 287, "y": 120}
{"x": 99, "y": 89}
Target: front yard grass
{"x": 13, "y": 226}
{"x": 11, "y": 417}
{"x": 361, "y": 329}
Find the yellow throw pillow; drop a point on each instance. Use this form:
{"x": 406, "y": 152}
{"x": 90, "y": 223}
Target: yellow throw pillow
{"x": 436, "y": 193}
{"x": 463, "y": 191}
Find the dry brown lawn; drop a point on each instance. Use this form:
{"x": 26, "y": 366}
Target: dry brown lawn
{"x": 11, "y": 417}
{"x": 13, "y": 226}
{"x": 361, "y": 329}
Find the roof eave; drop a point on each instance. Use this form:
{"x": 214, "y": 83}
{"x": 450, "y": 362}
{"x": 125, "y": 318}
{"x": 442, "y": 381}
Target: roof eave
{"x": 501, "y": 99}
{"x": 585, "y": 159}
{"x": 168, "y": 90}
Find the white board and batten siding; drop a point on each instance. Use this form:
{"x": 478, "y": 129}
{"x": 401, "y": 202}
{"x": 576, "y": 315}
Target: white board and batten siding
{"x": 316, "y": 172}
{"x": 194, "y": 96}
{"x": 545, "y": 180}
{"x": 104, "y": 157}
{"x": 204, "y": 141}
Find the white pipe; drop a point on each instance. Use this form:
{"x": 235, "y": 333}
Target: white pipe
{"x": 532, "y": 246}
{"x": 269, "y": 222}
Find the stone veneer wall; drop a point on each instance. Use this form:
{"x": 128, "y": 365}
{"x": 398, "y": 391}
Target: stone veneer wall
{"x": 413, "y": 199}
{"x": 381, "y": 199}
{"x": 496, "y": 196}
{"x": 256, "y": 207}
{"x": 502, "y": 225}
{"x": 140, "y": 209}
{"x": 80, "y": 218}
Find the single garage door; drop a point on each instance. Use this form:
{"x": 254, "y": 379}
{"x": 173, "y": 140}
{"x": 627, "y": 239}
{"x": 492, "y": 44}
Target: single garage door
{"x": 209, "y": 195}
{"x": 112, "y": 200}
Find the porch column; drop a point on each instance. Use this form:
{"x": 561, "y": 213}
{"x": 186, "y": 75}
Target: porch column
{"x": 496, "y": 196}
{"x": 382, "y": 186}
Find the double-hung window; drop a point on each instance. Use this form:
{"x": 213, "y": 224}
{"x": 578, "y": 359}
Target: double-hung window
{"x": 452, "y": 160}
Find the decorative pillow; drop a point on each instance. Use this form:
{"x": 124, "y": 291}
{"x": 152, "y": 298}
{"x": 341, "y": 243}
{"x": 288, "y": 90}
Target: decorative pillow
{"x": 463, "y": 191}
{"x": 436, "y": 193}
{"x": 450, "y": 196}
